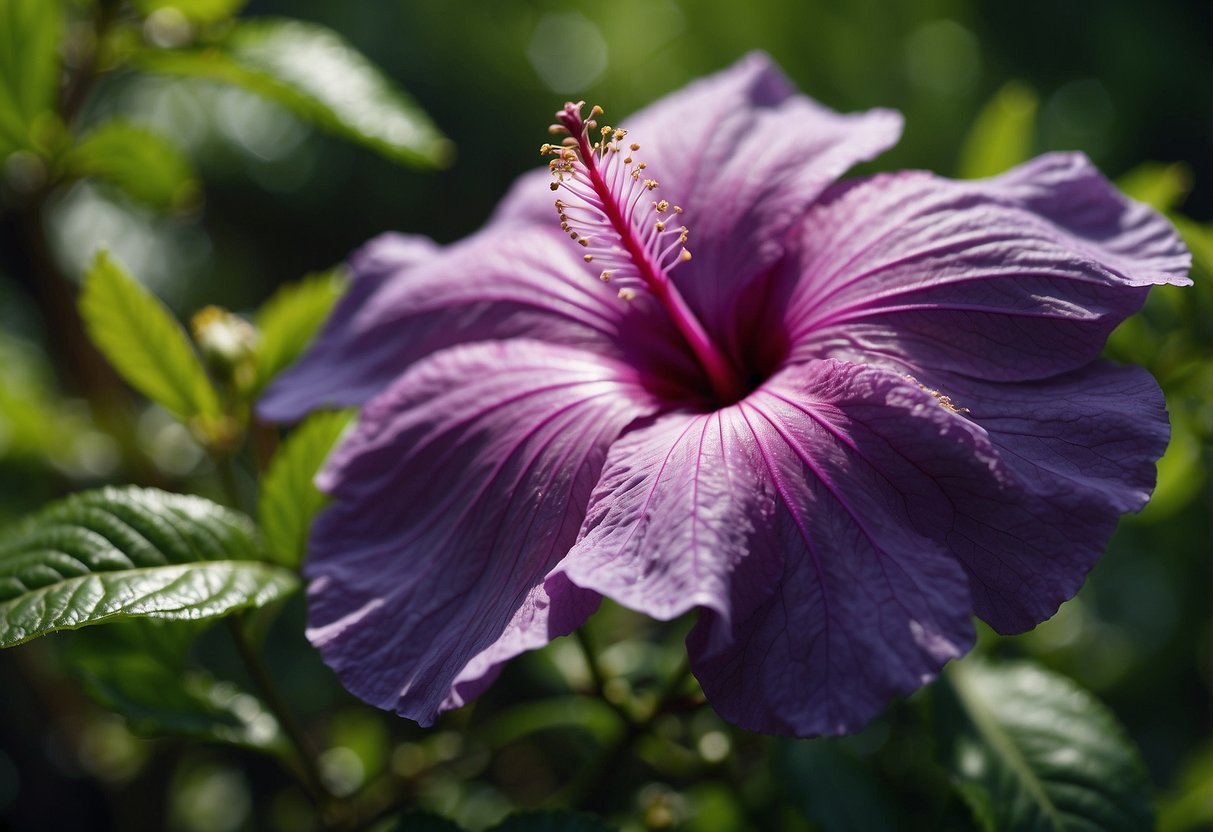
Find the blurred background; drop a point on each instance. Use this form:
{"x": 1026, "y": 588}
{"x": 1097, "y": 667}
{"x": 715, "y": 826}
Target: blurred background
{"x": 980, "y": 84}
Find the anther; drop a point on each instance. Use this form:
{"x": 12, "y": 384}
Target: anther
{"x": 627, "y": 294}
{"x": 583, "y": 241}
{"x": 589, "y": 258}
{"x": 634, "y": 146}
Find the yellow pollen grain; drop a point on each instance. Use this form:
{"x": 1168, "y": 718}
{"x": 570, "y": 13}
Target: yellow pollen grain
{"x": 589, "y": 258}
{"x": 660, "y": 225}
{"x": 662, "y": 206}
{"x": 686, "y": 255}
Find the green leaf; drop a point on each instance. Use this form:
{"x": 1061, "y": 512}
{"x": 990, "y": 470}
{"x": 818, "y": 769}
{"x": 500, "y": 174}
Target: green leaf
{"x": 1001, "y": 135}
{"x": 1030, "y": 750}
{"x": 556, "y": 820}
{"x": 290, "y": 319}
{"x": 313, "y": 72}
{"x": 289, "y": 500}
{"x": 122, "y": 552}
{"x": 144, "y": 342}
{"x": 144, "y": 165}
{"x": 832, "y": 788}
{"x": 30, "y": 31}
{"x": 195, "y": 11}
{"x": 1161, "y": 186}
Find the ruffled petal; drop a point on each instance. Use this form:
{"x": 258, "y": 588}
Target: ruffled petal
{"x": 1014, "y": 278}
{"x": 745, "y": 155}
{"x": 463, "y": 486}
{"x": 554, "y": 608}
{"x": 785, "y": 517}
{"x": 518, "y": 283}
{"x": 1080, "y": 450}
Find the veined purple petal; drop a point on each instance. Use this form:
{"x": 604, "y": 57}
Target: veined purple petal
{"x": 1014, "y": 278}
{"x": 464, "y": 484}
{"x": 682, "y": 506}
{"x": 1080, "y": 449}
{"x": 745, "y": 155}
{"x": 521, "y": 283}
{"x": 553, "y": 608}
{"x": 867, "y": 606}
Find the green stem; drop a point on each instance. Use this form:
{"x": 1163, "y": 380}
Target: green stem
{"x": 306, "y": 766}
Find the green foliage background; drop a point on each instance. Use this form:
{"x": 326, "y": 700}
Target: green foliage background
{"x": 211, "y": 195}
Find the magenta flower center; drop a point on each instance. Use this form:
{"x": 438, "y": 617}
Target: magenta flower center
{"x": 612, "y": 212}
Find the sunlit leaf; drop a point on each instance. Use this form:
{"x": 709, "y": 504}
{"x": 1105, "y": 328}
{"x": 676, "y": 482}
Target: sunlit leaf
{"x": 122, "y": 552}
{"x": 1029, "y": 749}
{"x": 30, "y": 31}
{"x": 141, "y": 163}
{"x": 1001, "y": 136}
{"x": 143, "y": 341}
{"x": 832, "y": 788}
{"x": 1158, "y": 185}
{"x": 290, "y": 319}
{"x": 289, "y": 500}
{"x": 196, "y": 11}
{"x": 316, "y": 74}
{"x": 557, "y": 820}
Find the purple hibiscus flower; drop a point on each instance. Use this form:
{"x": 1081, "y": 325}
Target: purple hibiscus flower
{"x": 863, "y": 412}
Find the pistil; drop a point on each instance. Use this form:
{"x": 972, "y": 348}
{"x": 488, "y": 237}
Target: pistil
{"x": 605, "y": 185}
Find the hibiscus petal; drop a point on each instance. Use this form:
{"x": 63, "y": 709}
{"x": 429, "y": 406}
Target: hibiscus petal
{"x": 681, "y": 504}
{"x": 786, "y": 517}
{"x": 1081, "y": 450}
{"x": 464, "y": 484}
{"x": 497, "y": 284}
{"x": 745, "y": 155}
{"x": 1013, "y": 278}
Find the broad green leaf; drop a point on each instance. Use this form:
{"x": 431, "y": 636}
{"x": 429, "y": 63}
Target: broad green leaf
{"x": 144, "y": 165}
{"x": 30, "y": 31}
{"x": 195, "y": 11}
{"x": 144, "y": 342}
{"x": 832, "y": 788}
{"x": 1161, "y": 186}
{"x": 316, "y": 74}
{"x": 122, "y": 552}
{"x": 139, "y": 669}
{"x": 1030, "y": 750}
{"x": 157, "y": 701}
{"x": 555, "y": 820}
{"x": 1001, "y": 135}
{"x": 288, "y": 499}
{"x": 290, "y": 319}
